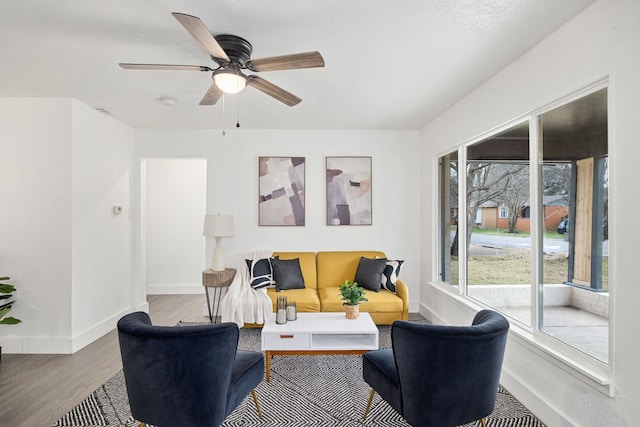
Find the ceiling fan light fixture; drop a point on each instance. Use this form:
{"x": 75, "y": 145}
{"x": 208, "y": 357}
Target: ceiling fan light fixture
{"x": 229, "y": 81}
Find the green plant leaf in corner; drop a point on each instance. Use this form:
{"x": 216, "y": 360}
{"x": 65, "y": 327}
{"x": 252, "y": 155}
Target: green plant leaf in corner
{"x": 10, "y": 321}
{"x": 5, "y": 307}
{"x": 6, "y": 288}
{"x": 3, "y": 311}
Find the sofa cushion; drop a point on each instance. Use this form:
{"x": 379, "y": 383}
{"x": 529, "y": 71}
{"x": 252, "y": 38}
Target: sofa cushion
{"x": 307, "y": 300}
{"x": 369, "y": 273}
{"x": 390, "y": 274}
{"x": 287, "y": 274}
{"x": 307, "y": 265}
{"x": 383, "y": 301}
{"x": 260, "y": 272}
{"x": 334, "y": 267}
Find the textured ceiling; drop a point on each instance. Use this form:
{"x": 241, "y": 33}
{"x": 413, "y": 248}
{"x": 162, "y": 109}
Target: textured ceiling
{"x": 389, "y": 64}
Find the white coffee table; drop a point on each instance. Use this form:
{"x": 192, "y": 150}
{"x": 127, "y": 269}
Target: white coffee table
{"x": 318, "y": 334}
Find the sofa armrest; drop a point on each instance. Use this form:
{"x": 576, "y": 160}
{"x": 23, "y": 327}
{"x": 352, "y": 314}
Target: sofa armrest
{"x": 403, "y": 292}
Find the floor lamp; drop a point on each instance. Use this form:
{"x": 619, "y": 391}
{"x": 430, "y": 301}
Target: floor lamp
{"x": 218, "y": 226}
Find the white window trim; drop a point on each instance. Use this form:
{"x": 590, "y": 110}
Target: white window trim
{"x": 587, "y": 369}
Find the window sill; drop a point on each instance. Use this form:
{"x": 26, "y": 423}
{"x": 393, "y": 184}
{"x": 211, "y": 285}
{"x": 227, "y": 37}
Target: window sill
{"x": 589, "y": 371}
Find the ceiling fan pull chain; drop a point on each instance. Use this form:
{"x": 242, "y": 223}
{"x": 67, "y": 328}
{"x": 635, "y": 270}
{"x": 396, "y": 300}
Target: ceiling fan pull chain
{"x": 238, "y": 111}
{"x": 223, "y": 103}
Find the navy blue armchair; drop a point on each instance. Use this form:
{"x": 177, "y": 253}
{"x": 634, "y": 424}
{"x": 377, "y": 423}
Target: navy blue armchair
{"x": 440, "y": 376}
{"x": 185, "y": 376}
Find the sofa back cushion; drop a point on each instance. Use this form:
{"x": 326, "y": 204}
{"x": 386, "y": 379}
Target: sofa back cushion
{"x": 307, "y": 265}
{"x": 335, "y": 267}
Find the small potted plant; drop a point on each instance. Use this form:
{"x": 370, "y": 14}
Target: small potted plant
{"x": 6, "y": 292}
{"x": 352, "y": 295}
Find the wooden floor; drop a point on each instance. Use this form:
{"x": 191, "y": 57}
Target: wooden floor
{"x": 37, "y": 389}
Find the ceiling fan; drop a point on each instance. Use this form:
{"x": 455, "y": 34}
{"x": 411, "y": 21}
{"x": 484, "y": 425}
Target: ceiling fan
{"x": 232, "y": 54}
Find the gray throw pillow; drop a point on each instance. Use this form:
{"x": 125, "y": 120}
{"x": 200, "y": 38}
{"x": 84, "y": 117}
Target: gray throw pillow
{"x": 369, "y": 273}
{"x": 287, "y": 274}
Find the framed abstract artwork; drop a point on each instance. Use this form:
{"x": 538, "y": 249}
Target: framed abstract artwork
{"x": 281, "y": 191}
{"x": 348, "y": 190}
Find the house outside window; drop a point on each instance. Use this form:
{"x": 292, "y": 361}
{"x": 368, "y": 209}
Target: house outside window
{"x": 503, "y": 212}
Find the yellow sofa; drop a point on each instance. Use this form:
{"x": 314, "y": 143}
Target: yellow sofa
{"x": 323, "y": 272}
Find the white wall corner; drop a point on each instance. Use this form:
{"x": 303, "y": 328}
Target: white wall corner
{"x": 97, "y": 331}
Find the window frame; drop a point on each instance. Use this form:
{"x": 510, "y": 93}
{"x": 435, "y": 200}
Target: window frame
{"x": 588, "y": 369}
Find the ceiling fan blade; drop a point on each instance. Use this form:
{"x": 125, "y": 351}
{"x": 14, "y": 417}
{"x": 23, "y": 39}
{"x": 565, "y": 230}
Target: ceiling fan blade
{"x": 212, "y": 96}
{"x": 287, "y": 62}
{"x": 199, "y": 31}
{"x": 129, "y": 66}
{"x": 273, "y": 90}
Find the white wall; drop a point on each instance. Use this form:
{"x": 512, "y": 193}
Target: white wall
{"x": 176, "y": 198}
{"x": 64, "y": 166}
{"x": 600, "y": 42}
{"x": 232, "y": 187}
{"x": 102, "y": 153}
{"x": 35, "y": 221}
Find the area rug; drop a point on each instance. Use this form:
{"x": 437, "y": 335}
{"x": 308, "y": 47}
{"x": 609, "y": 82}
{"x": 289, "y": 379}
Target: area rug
{"x": 303, "y": 391}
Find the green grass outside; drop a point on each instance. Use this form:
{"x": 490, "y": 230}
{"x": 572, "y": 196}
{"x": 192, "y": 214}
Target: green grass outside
{"x": 549, "y": 234}
{"x": 515, "y": 269}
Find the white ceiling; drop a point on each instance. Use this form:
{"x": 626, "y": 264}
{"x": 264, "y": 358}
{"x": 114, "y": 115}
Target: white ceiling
{"x": 390, "y": 64}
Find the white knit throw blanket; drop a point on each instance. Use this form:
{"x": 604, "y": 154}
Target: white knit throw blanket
{"x": 243, "y": 304}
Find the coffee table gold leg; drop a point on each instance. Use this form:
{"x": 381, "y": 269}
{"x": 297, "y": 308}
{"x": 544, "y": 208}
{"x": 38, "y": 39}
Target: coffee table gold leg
{"x": 268, "y": 356}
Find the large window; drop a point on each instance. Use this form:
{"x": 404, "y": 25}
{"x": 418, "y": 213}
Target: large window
{"x": 575, "y": 294}
{"x": 498, "y": 249}
{"x": 529, "y": 235}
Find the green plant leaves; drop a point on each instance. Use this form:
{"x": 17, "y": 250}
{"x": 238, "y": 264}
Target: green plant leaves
{"x": 351, "y": 293}
{"x": 10, "y": 321}
{"x": 6, "y": 288}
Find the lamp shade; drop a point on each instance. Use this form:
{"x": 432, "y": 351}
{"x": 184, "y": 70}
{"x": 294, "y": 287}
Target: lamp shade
{"x": 218, "y": 225}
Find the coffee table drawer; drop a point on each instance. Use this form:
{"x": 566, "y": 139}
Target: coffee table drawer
{"x": 286, "y": 341}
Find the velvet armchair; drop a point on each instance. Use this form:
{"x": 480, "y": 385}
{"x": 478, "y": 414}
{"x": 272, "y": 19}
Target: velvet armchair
{"x": 440, "y": 376}
{"x": 185, "y": 376}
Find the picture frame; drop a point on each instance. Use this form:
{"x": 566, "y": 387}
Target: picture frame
{"x": 281, "y": 191}
{"x": 348, "y": 191}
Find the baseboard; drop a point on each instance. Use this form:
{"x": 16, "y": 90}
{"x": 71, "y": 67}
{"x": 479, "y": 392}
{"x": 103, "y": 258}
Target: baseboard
{"x": 546, "y": 413}
{"x": 36, "y": 345}
{"x": 66, "y": 345}
{"x": 174, "y": 289}
{"x": 431, "y": 316}
{"x": 100, "y": 329}
{"x": 142, "y": 307}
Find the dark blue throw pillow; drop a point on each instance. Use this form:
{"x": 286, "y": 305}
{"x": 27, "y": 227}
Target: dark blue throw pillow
{"x": 260, "y": 272}
{"x": 369, "y": 273}
{"x": 287, "y": 274}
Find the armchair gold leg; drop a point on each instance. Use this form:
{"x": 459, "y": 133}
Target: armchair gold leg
{"x": 483, "y": 422}
{"x": 255, "y": 400}
{"x": 366, "y": 411}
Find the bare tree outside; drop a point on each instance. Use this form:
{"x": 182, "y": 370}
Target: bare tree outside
{"x": 486, "y": 182}
{"x": 515, "y": 191}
